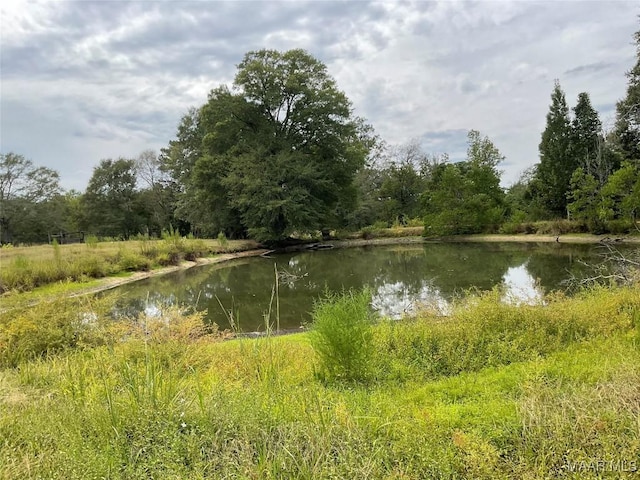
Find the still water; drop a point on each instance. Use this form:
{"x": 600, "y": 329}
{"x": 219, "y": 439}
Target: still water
{"x": 402, "y": 278}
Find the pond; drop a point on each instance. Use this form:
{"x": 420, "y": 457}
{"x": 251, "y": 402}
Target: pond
{"x": 402, "y": 278}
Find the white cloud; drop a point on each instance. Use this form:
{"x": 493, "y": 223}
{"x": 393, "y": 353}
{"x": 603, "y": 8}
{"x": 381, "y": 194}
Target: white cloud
{"x": 86, "y": 80}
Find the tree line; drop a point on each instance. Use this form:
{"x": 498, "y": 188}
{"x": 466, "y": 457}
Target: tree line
{"x": 280, "y": 153}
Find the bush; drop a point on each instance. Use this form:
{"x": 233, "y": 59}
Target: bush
{"x": 560, "y": 227}
{"x": 368, "y": 233}
{"x": 512, "y": 228}
{"x": 91, "y": 241}
{"x": 342, "y": 336}
{"x": 619, "y": 227}
{"x": 131, "y": 261}
{"x": 222, "y": 240}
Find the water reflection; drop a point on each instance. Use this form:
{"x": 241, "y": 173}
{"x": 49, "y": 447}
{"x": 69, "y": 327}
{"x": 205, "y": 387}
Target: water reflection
{"x": 402, "y": 279}
{"x": 520, "y": 287}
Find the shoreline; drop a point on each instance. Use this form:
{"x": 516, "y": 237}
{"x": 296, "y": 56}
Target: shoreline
{"x": 108, "y": 283}
{"x": 114, "y": 282}
{"x": 569, "y": 238}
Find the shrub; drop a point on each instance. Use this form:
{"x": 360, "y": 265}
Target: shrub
{"x": 91, "y": 241}
{"x": 619, "y": 227}
{"x": 560, "y": 227}
{"x": 342, "y": 336}
{"x": 368, "y": 232}
{"x": 222, "y": 240}
{"x": 193, "y": 249}
{"x": 169, "y": 258}
{"x": 131, "y": 261}
{"x": 512, "y": 228}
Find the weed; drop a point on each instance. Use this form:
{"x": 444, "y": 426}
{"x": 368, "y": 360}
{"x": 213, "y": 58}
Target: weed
{"x": 222, "y": 240}
{"x": 91, "y": 241}
{"x": 342, "y": 336}
{"x": 157, "y": 402}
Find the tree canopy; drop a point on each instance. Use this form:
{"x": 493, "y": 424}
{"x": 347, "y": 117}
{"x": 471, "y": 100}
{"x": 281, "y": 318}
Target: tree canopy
{"x": 466, "y": 197}
{"x": 277, "y": 154}
{"x": 25, "y": 190}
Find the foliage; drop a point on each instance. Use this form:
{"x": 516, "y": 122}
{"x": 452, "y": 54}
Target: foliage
{"x": 621, "y": 193}
{"x": 557, "y": 164}
{"x": 586, "y": 132}
{"x": 466, "y": 197}
{"x": 402, "y": 184}
{"x": 276, "y": 158}
{"x": 157, "y": 201}
{"x": 49, "y": 328}
{"x": 109, "y": 199}
{"x": 27, "y": 268}
{"x": 490, "y": 333}
{"x": 222, "y": 240}
{"x": 152, "y": 406}
{"x": 627, "y": 127}
{"x": 30, "y": 200}
{"x": 342, "y": 336}
{"x": 585, "y": 199}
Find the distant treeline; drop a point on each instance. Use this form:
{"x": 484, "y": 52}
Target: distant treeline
{"x": 282, "y": 154}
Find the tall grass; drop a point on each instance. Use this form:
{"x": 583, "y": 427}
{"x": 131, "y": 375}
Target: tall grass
{"x": 47, "y": 329}
{"x": 168, "y": 405}
{"x": 25, "y": 268}
{"x": 342, "y": 336}
{"x": 484, "y": 332}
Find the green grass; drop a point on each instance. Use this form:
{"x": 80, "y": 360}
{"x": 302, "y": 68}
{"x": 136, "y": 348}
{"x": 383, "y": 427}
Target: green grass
{"x": 27, "y": 268}
{"x": 493, "y": 391}
{"x": 342, "y": 336}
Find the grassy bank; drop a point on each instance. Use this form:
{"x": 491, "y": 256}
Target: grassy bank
{"x": 26, "y": 268}
{"x": 494, "y": 391}
{"x": 60, "y": 268}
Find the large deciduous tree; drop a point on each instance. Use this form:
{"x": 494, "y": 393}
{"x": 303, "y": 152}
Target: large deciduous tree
{"x": 157, "y": 197}
{"x": 402, "y": 183}
{"x": 25, "y": 191}
{"x": 277, "y": 155}
{"x": 109, "y": 200}
{"x": 621, "y": 194}
{"x": 466, "y": 197}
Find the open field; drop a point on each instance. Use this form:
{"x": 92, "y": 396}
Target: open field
{"x": 494, "y": 391}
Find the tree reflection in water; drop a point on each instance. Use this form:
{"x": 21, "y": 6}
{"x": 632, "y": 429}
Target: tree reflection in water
{"x": 402, "y": 278}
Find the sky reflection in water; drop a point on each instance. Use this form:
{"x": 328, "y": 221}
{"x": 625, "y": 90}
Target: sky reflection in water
{"x": 402, "y": 279}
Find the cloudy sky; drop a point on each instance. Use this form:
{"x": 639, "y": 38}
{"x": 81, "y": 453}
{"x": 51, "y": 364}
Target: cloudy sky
{"x": 86, "y": 80}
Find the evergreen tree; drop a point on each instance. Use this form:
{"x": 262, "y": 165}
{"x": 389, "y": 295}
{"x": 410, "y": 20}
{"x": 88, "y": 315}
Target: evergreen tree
{"x": 553, "y": 173}
{"x": 627, "y": 128}
{"x": 586, "y": 134}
